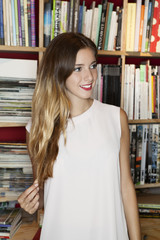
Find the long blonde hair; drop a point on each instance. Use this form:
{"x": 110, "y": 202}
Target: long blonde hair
{"x": 50, "y": 104}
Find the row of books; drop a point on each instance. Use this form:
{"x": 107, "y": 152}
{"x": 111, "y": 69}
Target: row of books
{"x": 143, "y": 26}
{"x": 101, "y": 23}
{"x": 108, "y": 84}
{"x": 142, "y": 91}
{"x": 10, "y": 221}
{"x": 17, "y": 23}
{"x": 15, "y": 170}
{"x": 148, "y": 204}
{"x": 17, "y": 83}
{"x": 145, "y": 153}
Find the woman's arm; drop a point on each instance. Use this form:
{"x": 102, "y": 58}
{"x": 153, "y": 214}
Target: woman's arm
{"x": 32, "y": 198}
{"x": 127, "y": 186}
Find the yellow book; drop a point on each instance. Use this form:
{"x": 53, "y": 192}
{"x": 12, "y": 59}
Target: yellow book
{"x": 131, "y": 20}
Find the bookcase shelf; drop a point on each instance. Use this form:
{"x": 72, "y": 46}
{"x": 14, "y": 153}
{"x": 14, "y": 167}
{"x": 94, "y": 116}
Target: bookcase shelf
{"x": 149, "y": 185}
{"x": 20, "y": 49}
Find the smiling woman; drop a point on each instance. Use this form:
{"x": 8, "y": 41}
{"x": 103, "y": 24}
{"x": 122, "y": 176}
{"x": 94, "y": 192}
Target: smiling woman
{"x": 79, "y": 148}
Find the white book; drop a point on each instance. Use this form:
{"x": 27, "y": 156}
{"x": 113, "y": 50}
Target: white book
{"x": 94, "y": 25}
{"x": 137, "y": 25}
{"x": 149, "y": 94}
{"x": 18, "y": 68}
{"x": 10, "y": 24}
{"x": 144, "y": 100}
{"x": 131, "y": 92}
{"x": 112, "y": 31}
{"x": 13, "y": 23}
{"x": 137, "y": 94}
{"x": 126, "y": 88}
{"x": 145, "y": 26}
{"x": 7, "y": 23}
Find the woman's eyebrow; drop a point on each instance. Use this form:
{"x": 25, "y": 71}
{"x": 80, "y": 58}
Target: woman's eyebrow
{"x": 81, "y": 64}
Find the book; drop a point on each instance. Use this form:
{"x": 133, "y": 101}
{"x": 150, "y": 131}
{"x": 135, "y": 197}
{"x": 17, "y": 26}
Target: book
{"x": 13, "y": 23}
{"x": 10, "y": 221}
{"x": 33, "y": 27}
{"x": 141, "y": 27}
{"x": 137, "y": 24}
{"x": 119, "y": 29}
{"x": 1, "y": 24}
{"x": 106, "y": 35}
{"x": 47, "y": 23}
{"x": 133, "y": 133}
{"x": 19, "y": 22}
{"x": 131, "y": 20}
{"x": 146, "y": 6}
{"x": 64, "y": 16}
{"x": 26, "y": 23}
{"x": 138, "y": 154}
{"x": 102, "y": 24}
{"x": 112, "y": 31}
{"x": 22, "y": 21}
{"x": 155, "y": 24}
{"x": 149, "y": 19}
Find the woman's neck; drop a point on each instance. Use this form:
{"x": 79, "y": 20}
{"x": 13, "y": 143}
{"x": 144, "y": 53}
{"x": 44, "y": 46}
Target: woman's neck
{"x": 79, "y": 107}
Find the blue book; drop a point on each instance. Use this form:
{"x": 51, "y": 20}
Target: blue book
{"x": 1, "y": 24}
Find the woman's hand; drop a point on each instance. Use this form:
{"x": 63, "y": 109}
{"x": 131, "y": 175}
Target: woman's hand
{"x": 29, "y": 199}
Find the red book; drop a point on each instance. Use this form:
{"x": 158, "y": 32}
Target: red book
{"x": 37, "y": 235}
{"x": 155, "y": 25}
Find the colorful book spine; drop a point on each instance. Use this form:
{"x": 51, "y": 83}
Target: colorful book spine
{"x": 29, "y": 21}
{"x": 1, "y": 24}
{"x": 102, "y": 24}
{"x": 33, "y": 28}
{"x": 13, "y": 22}
{"x": 22, "y": 22}
{"x": 19, "y": 22}
{"x": 155, "y": 26}
{"x": 108, "y": 26}
{"x": 26, "y": 23}
{"x": 16, "y": 21}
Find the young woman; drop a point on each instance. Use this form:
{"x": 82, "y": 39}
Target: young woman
{"x": 79, "y": 148}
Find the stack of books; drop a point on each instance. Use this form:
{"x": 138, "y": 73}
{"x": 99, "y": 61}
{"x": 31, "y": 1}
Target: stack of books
{"x": 17, "y": 83}
{"x": 149, "y": 205}
{"x": 10, "y": 221}
{"x": 15, "y": 170}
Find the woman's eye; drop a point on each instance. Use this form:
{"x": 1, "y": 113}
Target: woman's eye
{"x": 77, "y": 69}
{"x": 94, "y": 66}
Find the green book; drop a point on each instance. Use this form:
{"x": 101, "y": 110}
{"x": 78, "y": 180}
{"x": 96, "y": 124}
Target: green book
{"x": 108, "y": 26}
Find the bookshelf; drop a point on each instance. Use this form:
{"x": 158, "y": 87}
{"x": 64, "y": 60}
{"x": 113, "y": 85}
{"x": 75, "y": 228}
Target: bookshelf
{"x": 104, "y": 54}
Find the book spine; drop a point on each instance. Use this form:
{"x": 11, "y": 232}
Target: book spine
{"x": 145, "y": 25}
{"x": 10, "y": 24}
{"x": 33, "y": 27}
{"x": 16, "y": 21}
{"x": 13, "y": 22}
{"x": 137, "y": 24}
{"x": 26, "y": 23}
{"x": 108, "y": 26}
{"x": 98, "y": 24}
{"x": 155, "y": 26}
{"x": 131, "y": 20}
{"x": 22, "y": 22}
{"x": 57, "y": 18}
{"x": 29, "y": 22}
{"x": 19, "y": 22}
{"x": 102, "y": 24}
{"x": 1, "y": 24}
{"x": 119, "y": 30}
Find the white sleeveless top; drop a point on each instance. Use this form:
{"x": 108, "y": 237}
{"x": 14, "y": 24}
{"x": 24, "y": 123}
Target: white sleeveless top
{"x": 83, "y": 199}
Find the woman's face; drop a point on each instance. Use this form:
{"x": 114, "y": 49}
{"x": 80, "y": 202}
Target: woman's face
{"x": 80, "y": 83}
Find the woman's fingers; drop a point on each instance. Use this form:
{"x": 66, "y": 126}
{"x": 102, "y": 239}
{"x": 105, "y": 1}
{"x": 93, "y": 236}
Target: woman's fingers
{"x": 29, "y": 199}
